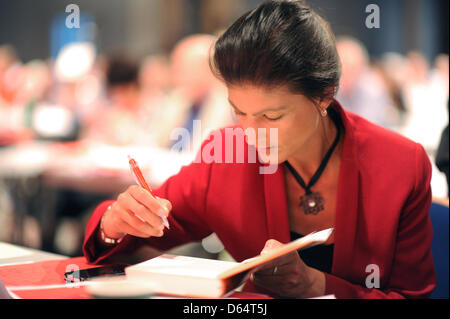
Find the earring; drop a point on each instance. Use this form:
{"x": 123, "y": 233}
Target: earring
{"x": 324, "y": 113}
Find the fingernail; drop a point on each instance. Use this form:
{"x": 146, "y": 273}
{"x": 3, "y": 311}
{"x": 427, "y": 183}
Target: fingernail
{"x": 162, "y": 212}
{"x": 165, "y": 222}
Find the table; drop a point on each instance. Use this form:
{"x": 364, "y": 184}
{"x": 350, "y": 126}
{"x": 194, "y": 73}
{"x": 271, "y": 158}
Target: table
{"x": 33, "y": 274}
{"x": 37, "y": 173}
{"x": 12, "y": 255}
{"x": 89, "y": 166}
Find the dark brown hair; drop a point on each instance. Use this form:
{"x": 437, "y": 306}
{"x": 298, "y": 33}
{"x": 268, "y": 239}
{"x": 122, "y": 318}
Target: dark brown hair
{"x": 121, "y": 70}
{"x": 280, "y": 42}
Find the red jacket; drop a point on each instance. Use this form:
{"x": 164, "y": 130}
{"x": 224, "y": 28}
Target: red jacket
{"x": 381, "y": 215}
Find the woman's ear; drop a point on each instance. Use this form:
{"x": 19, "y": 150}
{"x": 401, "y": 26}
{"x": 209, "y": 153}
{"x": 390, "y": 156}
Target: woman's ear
{"x": 322, "y": 105}
{"x": 328, "y": 97}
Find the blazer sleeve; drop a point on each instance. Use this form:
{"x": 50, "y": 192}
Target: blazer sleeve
{"x": 413, "y": 274}
{"x": 187, "y": 193}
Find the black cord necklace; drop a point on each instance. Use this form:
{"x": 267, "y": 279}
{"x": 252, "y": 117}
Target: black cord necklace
{"x": 313, "y": 202}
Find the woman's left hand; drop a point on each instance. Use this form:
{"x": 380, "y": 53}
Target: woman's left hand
{"x": 288, "y": 276}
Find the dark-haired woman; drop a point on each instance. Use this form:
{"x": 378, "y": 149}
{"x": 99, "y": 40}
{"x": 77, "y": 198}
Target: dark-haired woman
{"x": 333, "y": 169}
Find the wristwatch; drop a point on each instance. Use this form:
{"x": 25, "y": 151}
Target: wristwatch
{"x": 106, "y": 239}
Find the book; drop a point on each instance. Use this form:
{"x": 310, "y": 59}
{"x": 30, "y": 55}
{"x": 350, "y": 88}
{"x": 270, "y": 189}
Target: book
{"x": 206, "y": 278}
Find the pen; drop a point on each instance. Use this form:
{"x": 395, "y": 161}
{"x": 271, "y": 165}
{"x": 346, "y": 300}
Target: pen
{"x": 141, "y": 182}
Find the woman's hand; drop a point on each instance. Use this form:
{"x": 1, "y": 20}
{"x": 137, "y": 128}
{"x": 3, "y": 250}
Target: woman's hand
{"x": 288, "y": 276}
{"x": 136, "y": 212}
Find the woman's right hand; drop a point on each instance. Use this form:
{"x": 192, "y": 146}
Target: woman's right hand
{"x": 136, "y": 212}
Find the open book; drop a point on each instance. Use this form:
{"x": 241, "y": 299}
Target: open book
{"x": 206, "y": 278}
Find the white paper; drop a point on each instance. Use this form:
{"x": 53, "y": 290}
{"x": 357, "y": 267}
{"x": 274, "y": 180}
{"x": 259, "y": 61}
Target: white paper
{"x": 184, "y": 266}
{"x": 8, "y": 251}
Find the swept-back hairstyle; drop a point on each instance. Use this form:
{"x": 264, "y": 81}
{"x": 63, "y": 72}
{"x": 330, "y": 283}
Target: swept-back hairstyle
{"x": 281, "y": 42}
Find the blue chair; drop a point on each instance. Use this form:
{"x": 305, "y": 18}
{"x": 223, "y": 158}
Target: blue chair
{"x": 440, "y": 247}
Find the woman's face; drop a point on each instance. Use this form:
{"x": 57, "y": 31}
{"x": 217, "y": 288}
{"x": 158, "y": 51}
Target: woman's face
{"x": 296, "y": 118}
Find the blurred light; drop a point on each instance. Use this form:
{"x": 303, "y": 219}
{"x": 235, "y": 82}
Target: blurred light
{"x": 74, "y": 61}
{"x": 53, "y": 121}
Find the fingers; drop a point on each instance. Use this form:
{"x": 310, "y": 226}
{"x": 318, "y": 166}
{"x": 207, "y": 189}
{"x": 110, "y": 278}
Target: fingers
{"x": 271, "y": 244}
{"x": 279, "y": 263}
{"x": 127, "y": 202}
{"x": 138, "y": 229}
{"x": 156, "y": 205}
{"x": 127, "y": 222}
{"x": 136, "y": 212}
{"x": 166, "y": 205}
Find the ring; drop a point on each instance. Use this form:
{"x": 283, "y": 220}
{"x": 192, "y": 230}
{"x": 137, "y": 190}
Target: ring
{"x": 274, "y": 270}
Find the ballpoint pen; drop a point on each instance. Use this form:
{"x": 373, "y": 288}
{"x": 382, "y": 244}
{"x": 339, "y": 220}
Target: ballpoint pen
{"x": 141, "y": 182}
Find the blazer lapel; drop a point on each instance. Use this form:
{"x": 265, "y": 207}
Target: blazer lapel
{"x": 347, "y": 200}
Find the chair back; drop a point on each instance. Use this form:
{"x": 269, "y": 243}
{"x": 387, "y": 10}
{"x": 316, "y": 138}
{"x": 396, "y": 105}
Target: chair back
{"x": 440, "y": 247}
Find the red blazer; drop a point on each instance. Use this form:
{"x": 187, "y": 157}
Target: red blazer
{"x": 381, "y": 215}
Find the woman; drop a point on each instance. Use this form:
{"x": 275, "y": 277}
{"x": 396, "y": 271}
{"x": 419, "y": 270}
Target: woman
{"x": 334, "y": 169}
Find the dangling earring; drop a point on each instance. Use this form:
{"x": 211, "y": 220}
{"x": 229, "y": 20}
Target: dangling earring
{"x": 324, "y": 113}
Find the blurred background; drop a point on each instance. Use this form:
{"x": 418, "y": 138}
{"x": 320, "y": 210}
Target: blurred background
{"x": 74, "y": 102}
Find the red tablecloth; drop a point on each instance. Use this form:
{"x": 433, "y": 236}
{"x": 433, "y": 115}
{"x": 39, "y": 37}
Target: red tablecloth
{"x": 44, "y": 273}
{"x": 51, "y": 272}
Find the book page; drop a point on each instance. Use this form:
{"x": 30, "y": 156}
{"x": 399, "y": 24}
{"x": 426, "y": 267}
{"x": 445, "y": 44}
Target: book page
{"x": 185, "y": 266}
{"x": 310, "y": 240}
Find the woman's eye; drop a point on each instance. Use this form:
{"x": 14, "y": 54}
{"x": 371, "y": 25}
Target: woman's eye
{"x": 271, "y": 118}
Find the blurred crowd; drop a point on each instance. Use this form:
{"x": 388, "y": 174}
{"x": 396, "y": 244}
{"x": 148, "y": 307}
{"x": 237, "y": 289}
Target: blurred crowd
{"x": 118, "y": 100}
{"x": 114, "y": 99}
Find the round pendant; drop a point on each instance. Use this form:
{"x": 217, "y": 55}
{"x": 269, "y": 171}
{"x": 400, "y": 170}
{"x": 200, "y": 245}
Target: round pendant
{"x": 312, "y": 203}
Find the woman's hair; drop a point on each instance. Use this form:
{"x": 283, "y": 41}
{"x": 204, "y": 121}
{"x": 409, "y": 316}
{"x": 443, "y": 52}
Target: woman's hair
{"x": 280, "y": 43}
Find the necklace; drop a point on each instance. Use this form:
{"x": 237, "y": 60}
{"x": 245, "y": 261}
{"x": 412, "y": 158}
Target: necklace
{"x": 313, "y": 202}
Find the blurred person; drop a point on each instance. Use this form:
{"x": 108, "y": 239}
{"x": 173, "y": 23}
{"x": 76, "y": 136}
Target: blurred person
{"x": 392, "y": 69}
{"x": 196, "y": 94}
{"x": 8, "y": 60}
{"x": 36, "y": 82}
{"x": 154, "y": 83}
{"x": 21, "y": 87}
{"x": 419, "y": 67}
{"x": 362, "y": 90}
{"x": 77, "y": 85}
{"x": 34, "y": 89}
{"x": 125, "y": 118}
{"x": 54, "y": 106}
{"x": 426, "y": 95}
{"x": 154, "y": 76}
{"x": 439, "y": 77}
